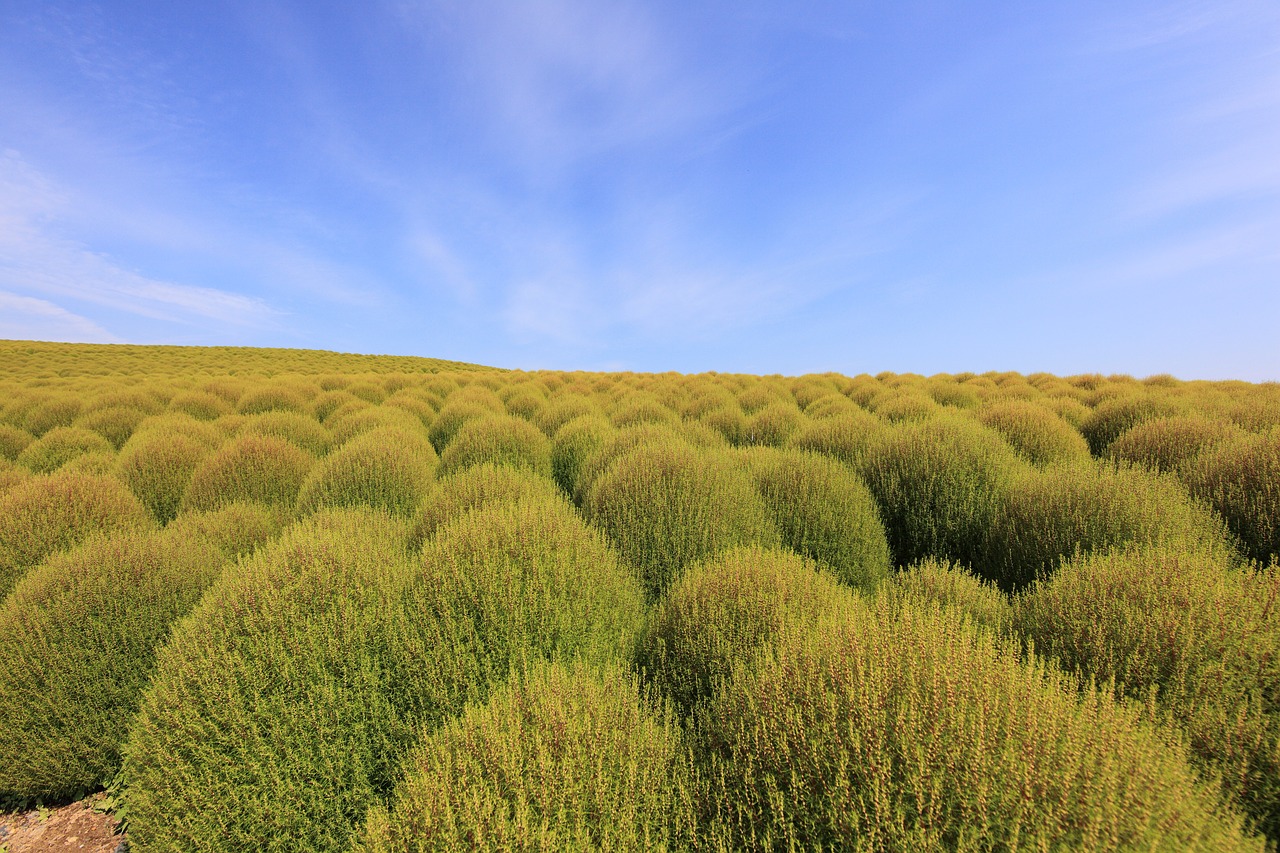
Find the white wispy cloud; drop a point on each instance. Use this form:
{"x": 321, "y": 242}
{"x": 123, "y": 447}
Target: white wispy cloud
{"x": 36, "y": 259}
{"x": 26, "y": 318}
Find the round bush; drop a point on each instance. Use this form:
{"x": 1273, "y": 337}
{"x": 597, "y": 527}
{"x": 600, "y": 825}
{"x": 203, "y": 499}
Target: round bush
{"x": 668, "y": 505}
{"x": 771, "y": 425}
{"x": 235, "y": 529}
{"x": 331, "y": 402}
{"x": 51, "y": 413}
{"x": 13, "y": 440}
{"x": 414, "y": 404}
{"x": 250, "y": 468}
{"x": 1184, "y": 626}
{"x": 157, "y": 465}
{"x": 1049, "y": 516}
{"x": 823, "y": 511}
{"x": 1112, "y": 417}
{"x": 618, "y": 443}
{"x": 1241, "y": 480}
{"x": 573, "y": 444}
{"x": 939, "y": 484}
{"x": 846, "y": 436}
{"x": 1035, "y": 432}
{"x": 563, "y": 759}
{"x": 270, "y": 723}
{"x": 272, "y": 398}
{"x": 641, "y": 409}
{"x": 830, "y": 405}
{"x": 458, "y": 410}
{"x": 346, "y": 425}
{"x": 46, "y": 514}
{"x": 949, "y": 585}
{"x": 722, "y": 613}
{"x": 115, "y": 424}
{"x": 207, "y": 434}
{"x": 563, "y": 408}
{"x": 501, "y": 439}
{"x": 907, "y": 729}
{"x": 59, "y": 446}
{"x": 387, "y": 468}
{"x": 507, "y": 582}
{"x": 200, "y": 405}
{"x": 11, "y": 474}
{"x": 456, "y": 494}
{"x": 77, "y": 642}
{"x": 903, "y": 406}
{"x": 1166, "y": 444}
{"x": 367, "y": 391}
{"x": 294, "y": 427}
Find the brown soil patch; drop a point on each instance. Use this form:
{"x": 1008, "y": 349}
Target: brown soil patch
{"x": 74, "y": 827}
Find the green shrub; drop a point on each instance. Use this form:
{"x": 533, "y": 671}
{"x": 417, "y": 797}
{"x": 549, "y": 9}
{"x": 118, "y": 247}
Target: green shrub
{"x": 387, "y": 468}
{"x": 950, "y": 585}
{"x": 668, "y": 505}
{"x": 415, "y": 405}
{"x": 618, "y": 443}
{"x": 77, "y": 642}
{"x": 457, "y": 494}
{"x": 561, "y": 409}
{"x": 1112, "y": 417}
{"x": 210, "y": 435}
{"x": 563, "y": 759}
{"x": 1241, "y": 480}
{"x": 200, "y": 405}
{"x": 501, "y": 439}
{"x": 830, "y": 405}
{"x": 1166, "y": 444}
{"x": 138, "y": 400}
{"x": 728, "y": 420}
{"x": 344, "y": 426}
{"x": 846, "y": 436}
{"x": 251, "y": 468}
{"x": 271, "y": 723}
{"x": 51, "y": 413}
{"x": 823, "y": 511}
{"x": 330, "y": 402}
{"x": 11, "y": 474}
{"x": 157, "y": 466}
{"x": 771, "y": 425}
{"x": 367, "y": 391}
{"x": 295, "y": 428}
{"x": 721, "y": 613}
{"x": 453, "y": 417}
{"x": 1035, "y": 432}
{"x": 1052, "y": 515}
{"x": 59, "y": 446}
{"x": 1185, "y": 627}
{"x": 946, "y": 392}
{"x": 115, "y": 424}
{"x": 939, "y": 484}
{"x": 13, "y": 441}
{"x": 906, "y": 728}
{"x": 573, "y": 444}
{"x": 641, "y": 409}
{"x": 904, "y": 406}
{"x": 759, "y": 395}
{"x": 235, "y": 529}
{"x": 46, "y": 514}
{"x": 507, "y": 582}
{"x": 272, "y": 398}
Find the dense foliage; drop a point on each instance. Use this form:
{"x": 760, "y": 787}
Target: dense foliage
{"x": 287, "y": 600}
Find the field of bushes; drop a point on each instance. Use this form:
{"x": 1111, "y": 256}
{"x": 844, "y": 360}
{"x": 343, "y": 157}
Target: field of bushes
{"x": 287, "y": 600}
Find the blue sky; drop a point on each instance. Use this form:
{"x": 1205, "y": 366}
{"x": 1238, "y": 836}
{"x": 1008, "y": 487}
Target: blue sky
{"x": 586, "y": 184}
